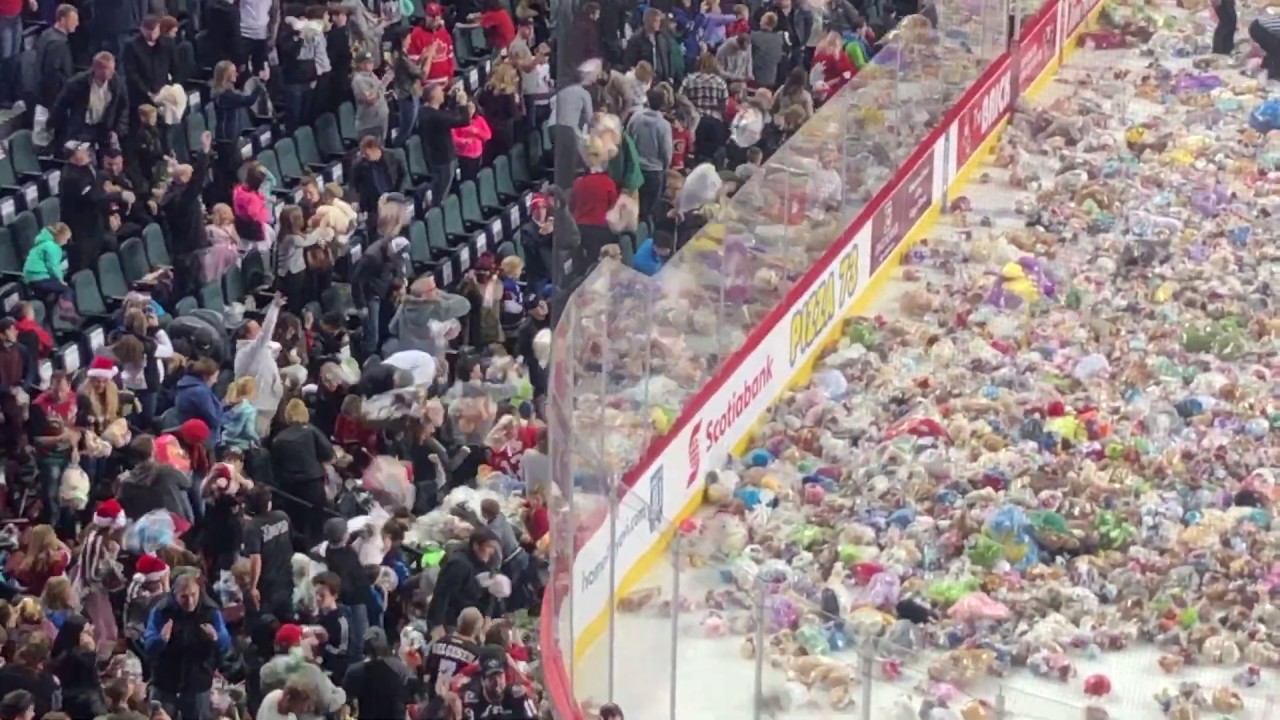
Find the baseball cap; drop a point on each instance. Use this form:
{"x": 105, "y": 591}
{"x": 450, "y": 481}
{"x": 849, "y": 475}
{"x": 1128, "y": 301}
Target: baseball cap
{"x": 289, "y": 635}
{"x": 493, "y": 665}
{"x": 433, "y": 9}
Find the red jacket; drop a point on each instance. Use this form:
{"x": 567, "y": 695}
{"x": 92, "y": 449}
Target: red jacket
{"x": 837, "y": 70}
{"x": 499, "y": 27}
{"x": 46, "y": 340}
{"x": 737, "y": 27}
{"x": 421, "y": 38}
{"x": 592, "y": 197}
{"x": 346, "y": 430}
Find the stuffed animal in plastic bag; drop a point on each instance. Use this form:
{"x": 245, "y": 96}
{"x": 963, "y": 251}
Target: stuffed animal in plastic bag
{"x": 304, "y": 569}
{"x": 700, "y": 188}
{"x": 117, "y": 433}
{"x": 388, "y": 480}
{"x": 150, "y": 532}
{"x": 1008, "y": 526}
{"x": 1266, "y": 117}
{"x": 74, "y": 492}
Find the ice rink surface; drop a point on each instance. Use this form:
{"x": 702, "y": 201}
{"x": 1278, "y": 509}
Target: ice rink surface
{"x": 712, "y": 679}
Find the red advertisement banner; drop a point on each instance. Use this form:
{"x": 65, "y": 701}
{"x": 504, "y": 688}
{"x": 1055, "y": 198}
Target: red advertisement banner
{"x": 901, "y": 211}
{"x": 1037, "y": 46}
{"x": 988, "y": 107}
{"x": 1076, "y": 12}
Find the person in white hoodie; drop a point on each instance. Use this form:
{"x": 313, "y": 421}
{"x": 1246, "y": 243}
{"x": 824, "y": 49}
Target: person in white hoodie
{"x": 256, "y": 358}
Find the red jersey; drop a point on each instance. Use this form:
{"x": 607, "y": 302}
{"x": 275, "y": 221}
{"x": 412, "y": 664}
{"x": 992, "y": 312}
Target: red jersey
{"x": 42, "y": 335}
{"x": 737, "y": 27}
{"x": 681, "y": 146}
{"x": 837, "y": 69}
{"x": 499, "y": 28}
{"x": 592, "y": 197}
{"x": 421, "y": 38}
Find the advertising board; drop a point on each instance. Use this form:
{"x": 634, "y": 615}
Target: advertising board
{"x": 983, "y": 108}
{"x": 1038, "y": 45}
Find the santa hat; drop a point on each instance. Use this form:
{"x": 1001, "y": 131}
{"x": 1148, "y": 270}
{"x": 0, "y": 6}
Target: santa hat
{"x": 151, "y": 568}
{"x": 103, "y": 367}
{"x": 109, "y": 514}
{"x": 148, "y": 569}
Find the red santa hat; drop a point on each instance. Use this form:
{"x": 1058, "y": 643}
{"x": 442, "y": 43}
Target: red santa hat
{"x": 103, "y": 367}
{"x": 109, "y": 514}
{"x": 151, "y": 568}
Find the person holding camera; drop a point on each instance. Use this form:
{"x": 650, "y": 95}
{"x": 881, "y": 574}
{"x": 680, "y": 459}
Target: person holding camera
{"x": 436, "y": 123}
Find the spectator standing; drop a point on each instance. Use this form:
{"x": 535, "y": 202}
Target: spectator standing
{"x": 533, "y": 64}
{"x": 11, "y": 26}
{"x": 374, "y": 174}
{"x": 259, "y": 27}
{"x": 837, "y": 68}
{"x": 499, "y": 28}
{"x": 195, "y": 400}
{"x": 54, "y": 65}
{"x": 229, "y": 107}
{"x": 408, "y": 72}
{"x": 502, "y": 108}
{"x": 653, "y": 45}
{"x": 148, "y": 63}
{"x": 370, "y": 91}
{"x": 433, "y": 44}
{"x": 842, "y": 18}
{"x": 256, "y": 358}
{"x": 55, "y": 436}
{"x": 114, "y": 21}
{"x": 336, "y": 621}
{"x": 268, "y": 546}
{"x": 436, "y": 123}
{"x": 768, "y": 51}
{"x": 469, "y": 143}
{"x": 13, "y": 375}
{"x": 75, "y": 665}
{"x": 712, "y": 25}
{"x": 374, "y": 274}
{"x": 458, "y": 586}
{"x": 96, "y": 571}
{"x": 592, "y": 197}
{"x": 299, "y": 453}
{"x": 1265, "y": 31}
{"x": 151, "y": 485}
{"x": 291, "y": 261}
{"x": 652, "y": 134}
{"x": 584, "y": 43}
{"x": 794, "y": 93}
{"x": 29, "y": 672}
{"x": 185, "y": 638}
{"x": 183, "y": 211}
{"x": 735, "y": 59}
{"x": 337, "y": 45}
{"x": 93, "y": 106}
{"x": 355, "y": 591}
{"x": 378, "y": 686}
{"x": 140, "y": 351}
{"x": 706, "y": 89}
{"x": 84, "y": 206}
{"x": 795, "y": 22}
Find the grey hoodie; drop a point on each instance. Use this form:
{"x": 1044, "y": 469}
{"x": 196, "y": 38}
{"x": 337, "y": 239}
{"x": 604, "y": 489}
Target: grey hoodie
{"x": 412, "y": 321}
{"x": 150, "y": 485}
{"x": 652, "y": 135}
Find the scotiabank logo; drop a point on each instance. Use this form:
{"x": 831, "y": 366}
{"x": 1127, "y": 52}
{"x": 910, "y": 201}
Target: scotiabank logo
{"x": 695, "y": 453}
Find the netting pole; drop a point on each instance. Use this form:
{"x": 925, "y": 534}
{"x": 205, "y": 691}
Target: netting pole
{"x": 868, "y": 667}
{"x": 613, "y": 573}
{"x": 675, "y": 617}
{"x": 1015, "y": 50}
{"x": 1001, "y": 711}
{"x": 758, "y": 705}
{"x": 946, "y": 173}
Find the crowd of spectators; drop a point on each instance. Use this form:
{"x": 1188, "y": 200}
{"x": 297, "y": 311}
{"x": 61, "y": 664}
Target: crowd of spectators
{"x": 185, "y": 460}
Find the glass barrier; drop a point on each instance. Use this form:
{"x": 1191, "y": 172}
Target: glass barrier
{"x": 631, "y": 351}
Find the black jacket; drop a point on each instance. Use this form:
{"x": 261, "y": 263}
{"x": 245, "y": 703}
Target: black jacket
{"x": 457, "y": 589}
{"x": 84, "y": 204}
{"x": 183, "y": 211}
{"x": 298, "y": 454}
{"x": 656, "y": 51}
{"x": 154, "y": 486}
{"x": 67, "y": 116}
{"x": 345, "y": 563}
{"x": 374, "y": 273}
{"x": 529, "y": 328}
{"x": 372, "y": 178}
{"x": 42, "y": 685}
{"x": 186, "y": 663}
{"x": 436, "y": 125}
{"x": 53, "y": 63}
{"x": 147, "y": 68}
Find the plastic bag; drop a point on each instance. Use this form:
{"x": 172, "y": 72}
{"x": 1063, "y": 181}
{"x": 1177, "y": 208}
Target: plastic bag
{"x": 388, "y": 480}
{"x": 74, "y": 492}
{"x": 1266, "y": 117}
{"x": 150, "y": 532}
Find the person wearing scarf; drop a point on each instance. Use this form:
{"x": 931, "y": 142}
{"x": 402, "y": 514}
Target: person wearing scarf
{"x": 95, "y": 571}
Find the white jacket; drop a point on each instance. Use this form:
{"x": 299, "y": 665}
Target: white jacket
{"x": 255, "y": 358}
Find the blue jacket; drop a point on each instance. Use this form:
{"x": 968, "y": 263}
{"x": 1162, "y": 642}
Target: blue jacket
{"x": 195, "y": 400}
{"x": 241, "y": 426}
{"x": 647, "y": 261}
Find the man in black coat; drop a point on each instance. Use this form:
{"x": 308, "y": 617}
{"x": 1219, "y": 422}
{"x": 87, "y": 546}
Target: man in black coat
{"x": 54, "y": 66}
{"x": 537, "y": 319}
{"x": 184, "y": 214}
{"x": 93, "y": 106}
{"x": 85, "y": 204}
{"x": 652, "y": 45}
{"x": 185, "y": 639}
{"x": 374, "y": 174}
{"x": 148, "y": 62}
{"x": 458, "y": 586}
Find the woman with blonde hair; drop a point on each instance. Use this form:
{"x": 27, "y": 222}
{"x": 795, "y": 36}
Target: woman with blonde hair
{"x": 228, "y": 124}
{"x": 502, "y": 106}
{"x": 43, "y": 558}
{"x": 299, "y": 456}
{"x": 59, "y": 600}
{"x": 240, "y": 428}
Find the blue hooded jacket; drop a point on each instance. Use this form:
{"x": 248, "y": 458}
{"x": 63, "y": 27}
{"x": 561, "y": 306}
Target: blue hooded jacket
{"x": 195, "y": 400}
